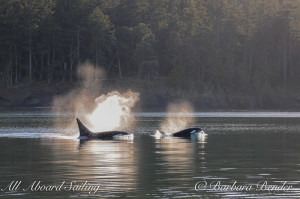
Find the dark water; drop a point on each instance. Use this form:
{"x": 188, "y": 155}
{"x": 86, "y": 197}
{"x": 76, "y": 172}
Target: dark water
{"x": 249, "y": 148}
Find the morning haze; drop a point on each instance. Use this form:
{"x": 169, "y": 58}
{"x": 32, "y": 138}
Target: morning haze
{"x": 149, "y": 99}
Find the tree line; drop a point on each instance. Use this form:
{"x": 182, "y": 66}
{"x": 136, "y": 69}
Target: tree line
{"x": 235, "y": 46}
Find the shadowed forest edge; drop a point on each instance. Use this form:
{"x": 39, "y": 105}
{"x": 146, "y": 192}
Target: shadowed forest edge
{"x": 230, "y": 54}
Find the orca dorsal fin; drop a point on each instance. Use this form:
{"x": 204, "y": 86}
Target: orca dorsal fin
{"x": 83, "y": 130}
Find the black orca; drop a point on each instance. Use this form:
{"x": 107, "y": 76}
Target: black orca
{"x": 85, "y": 133}
{"x": 185, "y": 133}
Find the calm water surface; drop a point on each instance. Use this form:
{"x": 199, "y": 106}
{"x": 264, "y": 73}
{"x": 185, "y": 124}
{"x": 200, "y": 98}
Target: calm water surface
{"x": 248, "y": 148}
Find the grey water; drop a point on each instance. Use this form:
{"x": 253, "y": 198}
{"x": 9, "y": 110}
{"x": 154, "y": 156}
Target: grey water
{"x": 245, "y": 148}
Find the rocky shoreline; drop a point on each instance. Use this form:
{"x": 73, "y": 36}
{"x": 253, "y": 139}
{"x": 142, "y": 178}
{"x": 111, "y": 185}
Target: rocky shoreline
{"x": 42, "y": 94}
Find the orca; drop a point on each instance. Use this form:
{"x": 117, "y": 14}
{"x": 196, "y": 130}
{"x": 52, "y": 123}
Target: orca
{"x": 86, "y": 134}
{"x": 185, "y": 133}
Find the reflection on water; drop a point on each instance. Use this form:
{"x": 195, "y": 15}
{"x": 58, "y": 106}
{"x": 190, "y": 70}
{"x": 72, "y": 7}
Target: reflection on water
{"x": 178, "y": 154}
{"x": 244, "y": 149}
{"x": 110, "y": 163}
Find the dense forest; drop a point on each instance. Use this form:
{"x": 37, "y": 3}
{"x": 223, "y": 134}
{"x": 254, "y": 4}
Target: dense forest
{"x": 233, "y": 46}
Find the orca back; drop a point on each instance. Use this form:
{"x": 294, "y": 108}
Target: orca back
{"x": 186, "y": 132}
{"x": 108, "y": 134}
{"x": 85, "y": 133}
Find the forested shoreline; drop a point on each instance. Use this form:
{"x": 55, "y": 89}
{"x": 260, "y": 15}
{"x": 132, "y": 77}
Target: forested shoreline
{"x": 235, "y": 47}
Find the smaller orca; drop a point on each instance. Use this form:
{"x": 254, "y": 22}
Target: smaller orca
{"x": 86, "y": 134}
{"x": 185, "y": 133}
